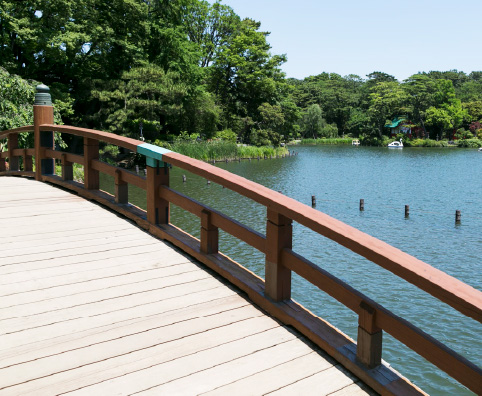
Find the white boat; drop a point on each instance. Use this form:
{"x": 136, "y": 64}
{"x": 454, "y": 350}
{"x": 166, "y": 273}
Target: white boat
{"x": 396, "y": 144}
{"x": 480, "y": 149}
{"x": 355, "y": 142}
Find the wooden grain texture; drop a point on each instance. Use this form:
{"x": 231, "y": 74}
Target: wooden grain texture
{"x": 92, "y": 304}
{"x": 448, "y": 289}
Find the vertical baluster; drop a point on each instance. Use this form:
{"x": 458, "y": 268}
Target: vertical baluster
{"x": 209, "y": 234}
{"x": 369, "y": 342}
{"x": 121, "y": 188}
{"x": 279, "y": 232}
{"x": 91, "y": 152}
{"x": 67, "y": 169}
{"x": 13, "y": 162}
{"x": 3, "y": 166}
{"x": 27, "y": 162}
{"x": 157, "y": 208}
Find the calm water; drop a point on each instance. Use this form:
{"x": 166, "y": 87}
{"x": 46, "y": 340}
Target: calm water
{"x": 434, "y": 182}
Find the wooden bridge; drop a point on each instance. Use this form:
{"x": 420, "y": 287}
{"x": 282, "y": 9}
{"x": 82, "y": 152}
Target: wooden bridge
{"x": 95, "y": 301}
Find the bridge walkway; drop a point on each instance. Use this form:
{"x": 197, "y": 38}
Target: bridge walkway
{"x": 91, "y": 304}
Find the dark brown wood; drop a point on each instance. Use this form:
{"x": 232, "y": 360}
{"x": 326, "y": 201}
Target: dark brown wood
{"x": 209, "y": 234}
{"x": 13, "y": 160}
{"x": 320, "y": 332}
{"x": 446, "y": 288}
{"x": 42, "y": 115}
{"x": 362, "y": 205}
{"x": 279, "y": 235}
{"x": 407, "y": 210}
{"x": 27, "y": 161}
{"x": 91, "y": 153}
{"x": 458, "y": 216}
{"x": 6, "y": 132}
{"x": 121, "y": 188}
{"x": 369, "y": 342}
{"x": 108, "y": 137}
{"x": 231, "y": 226}
{"x": 157, "y": 207}
{"x": 67, "y": 168}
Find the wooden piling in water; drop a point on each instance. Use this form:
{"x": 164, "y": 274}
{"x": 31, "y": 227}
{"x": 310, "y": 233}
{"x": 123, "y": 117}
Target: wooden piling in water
{"x": 407, "y": 211}
{"x": 362, "y": 205}
{"x": 313, "y": 201}
{"x": 457, "y": 216}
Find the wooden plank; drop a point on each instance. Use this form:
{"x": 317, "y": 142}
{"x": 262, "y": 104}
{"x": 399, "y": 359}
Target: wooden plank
{"x": 190, "y": 364}
{"x": 232, "y": 370}
{"x": 124, "y": 340}
{"x": 118, "y": 366}
{"x": 276, "y": 377}
{"x": 70, "y": 330}
{"x": 96, "y": 308}
{"x": 323, "y": 383}
{"x": 79, "y": 288}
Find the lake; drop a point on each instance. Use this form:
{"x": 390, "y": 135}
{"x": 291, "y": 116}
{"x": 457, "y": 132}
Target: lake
{"x": 434, "y": 182}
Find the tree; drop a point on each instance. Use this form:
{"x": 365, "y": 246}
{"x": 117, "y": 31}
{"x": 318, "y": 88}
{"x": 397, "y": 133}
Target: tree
{"x": 421, "y": 90}
{"x": 387, "y": 99}
{"x": 244, "y": 75}
{"x": 313, "y": 121}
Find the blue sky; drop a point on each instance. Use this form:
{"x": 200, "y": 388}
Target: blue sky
{"x": 400, "y": 38}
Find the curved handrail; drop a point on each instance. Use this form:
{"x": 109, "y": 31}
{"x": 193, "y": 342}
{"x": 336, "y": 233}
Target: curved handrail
{"x": 281, "y": 211}
{"x": 26, "y": 128}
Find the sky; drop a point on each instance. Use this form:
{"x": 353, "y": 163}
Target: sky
{"x": 400, "y": 38}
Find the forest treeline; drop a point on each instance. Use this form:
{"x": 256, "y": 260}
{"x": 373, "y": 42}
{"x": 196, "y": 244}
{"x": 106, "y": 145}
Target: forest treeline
{"x": 191, "y": 68}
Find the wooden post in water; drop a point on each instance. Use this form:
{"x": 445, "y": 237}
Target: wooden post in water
{"x": 209, "y": 234}
{"x": 369, "y": 341}
{"x": 43, "y": 113}
{"x": 407, "y": 211}
{"x": 313, "y": 201}
{"x": 121, "y": 188}
{"x": 157, "y": 208}
{"x": 362, "y": 205}
{"x": 458, "y": 216}
{"x": 279, "y": 234}
{"x": 91, "y": 153}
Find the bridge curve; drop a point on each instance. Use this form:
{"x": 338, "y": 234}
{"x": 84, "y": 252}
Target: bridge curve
{"x": 92, "y": 304}
{"x": 273, "y": 294}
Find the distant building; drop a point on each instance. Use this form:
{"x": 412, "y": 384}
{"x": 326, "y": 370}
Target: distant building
{"x": 401, "y": 124}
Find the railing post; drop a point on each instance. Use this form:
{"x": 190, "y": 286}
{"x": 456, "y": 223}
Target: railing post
{"x": 43, "y": 113}
{"x": 279, "y": 235}
{"x": 157, "y": 176}
{"x": 3, "y": 166}
{"x": 369, "y": 341}
{"x": 27, "y": 161}
{"x": 121, "y": 188}
{"x": 13, "y": 162}
{"x": 209, "y": 234}
{"x": 91, "y": 152}
{"x": 67, "y": 169}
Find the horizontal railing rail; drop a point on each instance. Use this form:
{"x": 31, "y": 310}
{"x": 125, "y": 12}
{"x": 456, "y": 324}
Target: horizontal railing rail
{"x": 273, "y": 293}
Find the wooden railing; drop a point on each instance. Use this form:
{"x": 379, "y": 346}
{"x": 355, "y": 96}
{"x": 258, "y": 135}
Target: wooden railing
{"x": 274, "y": 293}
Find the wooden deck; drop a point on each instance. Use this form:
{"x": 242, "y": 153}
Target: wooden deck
{"x": 91, "y": 304}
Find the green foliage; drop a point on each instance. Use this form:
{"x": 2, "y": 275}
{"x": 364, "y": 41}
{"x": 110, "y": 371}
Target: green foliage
{"x": 327, "y": 141}
{"x": 470, "y": 143}
{"x": 427, "y": 143}
{"x": 226, "y": 134}
{"x": 221, "y": 150}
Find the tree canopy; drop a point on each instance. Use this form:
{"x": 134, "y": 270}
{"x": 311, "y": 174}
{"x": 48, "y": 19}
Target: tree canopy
{"x": 188, "y": 66}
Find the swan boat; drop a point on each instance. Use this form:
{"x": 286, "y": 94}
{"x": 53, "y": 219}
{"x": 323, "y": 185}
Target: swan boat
{"x": 396, "y": 144}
